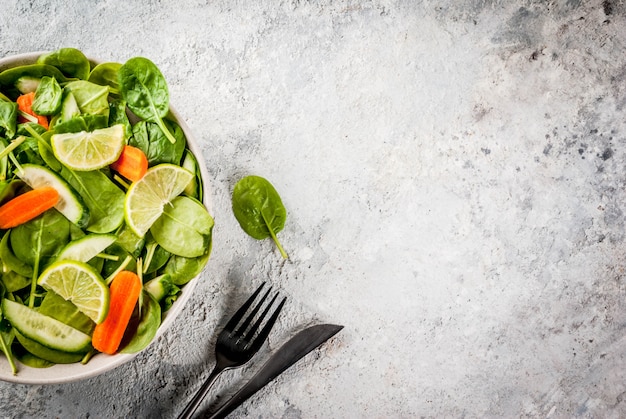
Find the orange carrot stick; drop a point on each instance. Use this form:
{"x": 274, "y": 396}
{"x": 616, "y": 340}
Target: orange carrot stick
{"x": 132, "y": 163}
{"x": 125, "y": 290}
{"x": 25, "y": 104}
{"x": 27, "y": 206}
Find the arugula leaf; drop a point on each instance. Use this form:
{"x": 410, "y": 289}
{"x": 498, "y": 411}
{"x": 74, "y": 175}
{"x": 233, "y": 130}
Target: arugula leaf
{"x": 259, "y": 209}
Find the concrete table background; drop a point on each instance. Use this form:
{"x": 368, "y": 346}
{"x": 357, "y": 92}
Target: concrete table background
{"x": 454, "y": 174}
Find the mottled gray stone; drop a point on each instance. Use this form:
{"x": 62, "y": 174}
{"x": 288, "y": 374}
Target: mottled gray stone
{"x": 454, "y": 174}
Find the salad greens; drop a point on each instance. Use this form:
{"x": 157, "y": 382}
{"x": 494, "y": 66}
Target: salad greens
{"x": 74, "y": 96}
{"x": 259, "y": 209}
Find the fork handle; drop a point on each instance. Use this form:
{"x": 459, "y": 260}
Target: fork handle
{"x": 201, "y": 394}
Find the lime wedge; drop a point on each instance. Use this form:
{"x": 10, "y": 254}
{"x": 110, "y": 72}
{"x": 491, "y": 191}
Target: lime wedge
{"x": 146, "y": 198}
{"x": 43, "y": 329}
{"x": 89, "y": 150}
{"x": 80, "y": 284}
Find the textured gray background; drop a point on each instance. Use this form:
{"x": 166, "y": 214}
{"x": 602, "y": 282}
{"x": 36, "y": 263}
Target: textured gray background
{"x": 454, "y": 174}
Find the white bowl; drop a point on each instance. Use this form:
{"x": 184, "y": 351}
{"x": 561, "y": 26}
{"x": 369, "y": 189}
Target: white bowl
{"x": 100, "y": 363}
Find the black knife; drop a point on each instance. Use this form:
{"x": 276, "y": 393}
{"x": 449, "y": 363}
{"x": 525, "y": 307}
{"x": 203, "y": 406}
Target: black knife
{"x": 287, "y": 355}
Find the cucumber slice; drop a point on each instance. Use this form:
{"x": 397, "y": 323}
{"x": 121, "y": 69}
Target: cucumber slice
{"x": 70, "y": 203}
{"x": 45, "y": 330}
{"x": 193, "y": 188}
{"x": 87, "y": 247}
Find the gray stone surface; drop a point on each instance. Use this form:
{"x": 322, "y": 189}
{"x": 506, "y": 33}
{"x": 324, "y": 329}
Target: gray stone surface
{"x": 454, "y": 174}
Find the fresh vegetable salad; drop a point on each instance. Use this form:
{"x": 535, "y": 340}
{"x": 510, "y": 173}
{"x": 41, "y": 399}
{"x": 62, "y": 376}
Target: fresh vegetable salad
{"x": 101, "y": 214}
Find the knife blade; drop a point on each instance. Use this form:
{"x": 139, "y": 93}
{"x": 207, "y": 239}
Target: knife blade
{"x": 287, "y": 355}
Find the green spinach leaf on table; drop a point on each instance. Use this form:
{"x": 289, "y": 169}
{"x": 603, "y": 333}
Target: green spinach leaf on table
{"x": 259, "y": 209}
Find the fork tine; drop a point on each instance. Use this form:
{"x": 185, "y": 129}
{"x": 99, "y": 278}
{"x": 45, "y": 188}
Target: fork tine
{"x": 230, "y": 326}
{"x": 256, "y": 325}
{"x": 241, "y": 329}
{"x": 264, "y": 333}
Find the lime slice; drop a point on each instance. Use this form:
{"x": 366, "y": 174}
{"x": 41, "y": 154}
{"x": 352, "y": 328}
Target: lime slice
{"x": 79, "y": 283}
{"x": 146, "y": 198}
{"x": 43, "y": 329}
{"x": 89, "y": 150}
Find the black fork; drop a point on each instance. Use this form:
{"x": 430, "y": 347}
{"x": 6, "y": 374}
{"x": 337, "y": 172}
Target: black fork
{"x": 238, "y": 342}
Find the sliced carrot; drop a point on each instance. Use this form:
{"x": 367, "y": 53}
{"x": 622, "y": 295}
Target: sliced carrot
{"x": 132, "y": 163}
{"x": 124, "y": 294}
{"x": 27, "y": 206}
{"x": 25, "y": 104}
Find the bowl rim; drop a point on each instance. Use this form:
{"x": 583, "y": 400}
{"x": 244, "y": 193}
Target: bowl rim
{"x": 102, "y": 363}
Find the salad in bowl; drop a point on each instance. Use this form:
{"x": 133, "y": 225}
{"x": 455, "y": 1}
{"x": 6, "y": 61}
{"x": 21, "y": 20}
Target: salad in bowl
{"x": 104, "y": 214}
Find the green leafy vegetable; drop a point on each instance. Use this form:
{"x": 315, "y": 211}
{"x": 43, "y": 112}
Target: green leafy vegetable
{"x": 259, "y": 209}
{"x": 105, "y": 74}
{"x": 48, "y": 97}
{"x": 91, "y": 98}
{"x": 71, "y": 61}
{"x": 145, "y": 91}
{"x": 184, "y": 228}
{"x": 143, "y": 325}
{"x": 148, "y": 137}
{"x": 8, "y": 118}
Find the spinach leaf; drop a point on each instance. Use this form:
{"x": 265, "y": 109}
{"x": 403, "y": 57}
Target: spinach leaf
{"x": 129, "y": 241}
{"x": 117, "y": 115}
{"x": 105, "y": 74}
{"x": 145, "y": 91}
{"x": 40, "y": 239}
{"x": 148, "y": 137}
{"x": 8, "y": 190}
{"x": 143, "y": 325}
{"x": 10, "y": 262}
{"x": 13, "y": 281}
{"x": 6, "y": 337}
{"x": 103, "y": 198}
{"x": 28, "y": 152}
{"x": 91, "y": 98}
{"x": 81, "y": 123}
{"x": 70, "y": 61}
{"x": 183, "y": 270}
{"x": 28, "y": 359}
{"x": 8, "y": 118}
{"x": 184, "y": 228}
{"x": 155, "y": 256}
{"x": 48, "y": 97}
{"x": 24, "y": 129}
{"x": 259, "y": 209}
